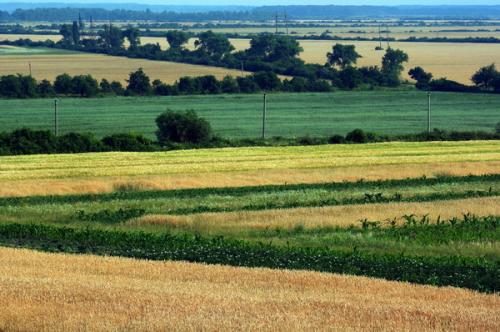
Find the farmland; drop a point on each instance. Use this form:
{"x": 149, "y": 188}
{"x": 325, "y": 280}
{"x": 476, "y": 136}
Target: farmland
{"x": 433, "y": 57}
{"x": 57, "y": 289}
{"x": 240, "y": 116}
{"x": 48, "y": 66}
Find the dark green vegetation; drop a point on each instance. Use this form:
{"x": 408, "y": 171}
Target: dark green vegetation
{"x": 479, "y": 274}
{"x": 461, "y": 251}
{"x": 240, "y": 116}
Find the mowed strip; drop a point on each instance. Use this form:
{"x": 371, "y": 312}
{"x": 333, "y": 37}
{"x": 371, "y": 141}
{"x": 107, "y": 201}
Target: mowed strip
{"x": 104, "y": 172}
{"x": 333, "y": 216}
{"x": 58, "y": 292}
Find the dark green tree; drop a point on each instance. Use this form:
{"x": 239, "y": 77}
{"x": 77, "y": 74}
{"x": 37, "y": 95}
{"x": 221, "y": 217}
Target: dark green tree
{"x": 138, "y": 83}
{"x": 485, "y": 77}
{"x": 392, "y": 66}
{"x": 182, "y": 127}
{"x": 213, "y": 45}
{"x": 75, "y": 33}
{"x": 133, "y": 36}
{"x": 421, "y": 76}
{"x": 343, "y": 56}
{"x": 176, "y": 39}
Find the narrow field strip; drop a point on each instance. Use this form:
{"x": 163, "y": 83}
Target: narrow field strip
{"x": 66, "y": 292}
{"x": 341, "y": 216}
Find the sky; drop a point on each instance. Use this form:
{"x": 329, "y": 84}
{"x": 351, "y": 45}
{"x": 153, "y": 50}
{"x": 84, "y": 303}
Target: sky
{"x": 280, "y": 2}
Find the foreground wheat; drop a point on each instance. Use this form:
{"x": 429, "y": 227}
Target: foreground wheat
{"x": 63, "y": 293}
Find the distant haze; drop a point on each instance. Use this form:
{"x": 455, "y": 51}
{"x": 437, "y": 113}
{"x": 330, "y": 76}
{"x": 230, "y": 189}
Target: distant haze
{"x": 279, "y": 2}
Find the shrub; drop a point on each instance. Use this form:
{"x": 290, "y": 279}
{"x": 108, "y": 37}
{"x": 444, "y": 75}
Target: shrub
{"x": 357, "y": 136}
{"x": 128, "y": 142}
{"x": 184, "y": 127}
{"x": 78, "y": 143}
{"x": 336, "y": 139}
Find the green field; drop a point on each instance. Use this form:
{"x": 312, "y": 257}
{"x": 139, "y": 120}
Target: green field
{"x": 385, "y": 112}
{"x": 14, "y": 50}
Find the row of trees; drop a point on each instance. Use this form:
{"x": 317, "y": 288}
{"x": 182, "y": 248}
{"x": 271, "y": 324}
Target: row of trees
{"x": 486, "y": 79}
{"x": 267, "y": 52}
{"x": 139, "y": 84}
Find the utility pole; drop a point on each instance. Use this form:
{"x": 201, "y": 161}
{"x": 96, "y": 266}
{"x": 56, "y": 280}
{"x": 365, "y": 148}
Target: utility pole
{"x": 264, "y": 110}
{"x": 276, "y": 22}
{"x": 30, "y": 68}
{"x": 286, "y": 23}
{"x": 55, "y": 117}
{"x": 429, "y": 112}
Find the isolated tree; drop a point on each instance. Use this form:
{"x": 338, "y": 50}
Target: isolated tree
{"x": 213, "y": 45}
{"x": 75, "y": 33}
{"x": 66, "y": 31}
{"x": 182, "y": 127}
{"x": 392, "y": 66}
{"x": 133, "y": 37}
{"x": 343, "y": 56}
{"x": 485, "y": 77}
{"x": 138, "y": 83}
{"x": 176, "y": 39}
{"x": 421, "y": 76}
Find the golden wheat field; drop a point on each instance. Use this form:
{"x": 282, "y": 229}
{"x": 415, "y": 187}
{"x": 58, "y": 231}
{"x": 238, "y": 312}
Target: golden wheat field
{"x": 433, "y": 57}
{"x": 342, "y": 216}
{"x": 55, "y": 292}
{"x": 103, "y": 66}
{"x": 100, "y": 172}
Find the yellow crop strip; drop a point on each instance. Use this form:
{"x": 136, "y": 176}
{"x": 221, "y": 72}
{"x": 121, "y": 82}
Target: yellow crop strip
{"x": 55, "y": 292}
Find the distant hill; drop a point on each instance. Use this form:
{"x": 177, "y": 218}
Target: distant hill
{"x": 114, "y": 11}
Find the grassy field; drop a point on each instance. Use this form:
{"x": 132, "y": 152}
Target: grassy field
{"x": 47, "y": 65}
{"x": 433, "y": 57}
{"x": 63, "y": 292}
{"x": 289, "y": 115}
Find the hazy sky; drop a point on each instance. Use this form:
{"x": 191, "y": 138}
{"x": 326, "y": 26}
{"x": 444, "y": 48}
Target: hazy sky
{"x": 281, "y": 2}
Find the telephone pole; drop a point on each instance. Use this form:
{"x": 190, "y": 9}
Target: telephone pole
{"x": 429, "y": 112}
{"x": 55, "y": 117}
{"x": 264, "y": 110}
{"x": 276, "y": 22}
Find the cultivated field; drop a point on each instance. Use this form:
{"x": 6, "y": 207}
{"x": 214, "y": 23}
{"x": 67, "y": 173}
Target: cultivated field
{"x": 104, "y": 172}
{"x": 63, "y": 292}
{"x": 49, "y": 65}
{"x": 240, "y": 116}
{"x": 433, "y": 57}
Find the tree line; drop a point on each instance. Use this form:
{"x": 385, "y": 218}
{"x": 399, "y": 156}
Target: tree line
{"x": 139, "y": 84}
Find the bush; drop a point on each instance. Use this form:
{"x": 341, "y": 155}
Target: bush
{"x": 357, "y": 136}
{"x": 128, "y": 142}
{"x": 184, "y": 127}
{"x": 336, "y": 139}
{"x": 78, "y": 143}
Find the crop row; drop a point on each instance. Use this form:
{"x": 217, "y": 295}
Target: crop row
{"x": 474, "y": 273}
{"x": 368, "y": 186}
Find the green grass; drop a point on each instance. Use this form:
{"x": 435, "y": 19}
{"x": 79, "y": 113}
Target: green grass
{"x": 4, "y": 50}
{"x": 238, "y": 116}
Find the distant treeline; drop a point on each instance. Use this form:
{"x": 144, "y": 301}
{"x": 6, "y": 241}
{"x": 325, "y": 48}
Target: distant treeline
{"x": 139, "y": 84}
{"x": 310, "y": 12}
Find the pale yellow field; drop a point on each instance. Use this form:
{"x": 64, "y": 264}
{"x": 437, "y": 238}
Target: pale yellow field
{"x": 55, "y": 292}
{"x": 342, "y": 216}
{"x": 103, "y": 66}
{"x": 456, "y": 61}
{"x": 102, "y": 172}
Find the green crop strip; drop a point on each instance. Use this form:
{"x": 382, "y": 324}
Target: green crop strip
{"x": 242, "y": 191}
{"x": 473, "y": 273}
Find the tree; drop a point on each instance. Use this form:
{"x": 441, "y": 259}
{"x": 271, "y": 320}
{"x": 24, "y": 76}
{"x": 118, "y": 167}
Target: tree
{"x": 176, "y": 39}
{"x": 133, "y": 37}
{"x": 270, "y": 47}
{"x": 343, "y": 56}
{"x": 421, "y": 76}
{"x": 138, "y": 83}
{"x": 62, "y": 84}
{"x": 104, "y": 86}
{"x": 267, "y": 81}
{"x": 213, "y": 45}
{"x": 81, "y": 25}
{"x": 485, "y": 77}
{"x": 10, "y": 86}
{"x": 229, "y": 85}
{"x": 45, "y": 89}
{"x": 392, "y": 66}
{"x": 117, "y": 88}
{"x": 66, "y": 31}
{"x": 182, "y": 127}
{"x": 75, "y": 33}
{"x": 111, "y": 37}
{"x": 357, "y": 136}
{"x": 84, "y": 85}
